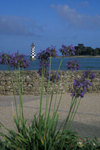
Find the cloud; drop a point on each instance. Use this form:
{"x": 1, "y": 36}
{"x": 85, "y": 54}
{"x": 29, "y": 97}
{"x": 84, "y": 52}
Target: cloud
{"x": 13, "y": 25}
{"x": 82, "y": 4}
{"x": 75, "y": 19}
{"x": 52, "y": 5}
{"x": 85, "y": 3}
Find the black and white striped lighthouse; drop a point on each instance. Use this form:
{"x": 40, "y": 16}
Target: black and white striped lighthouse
{"x": 32, "y": 56}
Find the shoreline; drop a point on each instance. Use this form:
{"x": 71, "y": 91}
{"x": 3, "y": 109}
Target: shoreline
{"x": 87, "y": 56}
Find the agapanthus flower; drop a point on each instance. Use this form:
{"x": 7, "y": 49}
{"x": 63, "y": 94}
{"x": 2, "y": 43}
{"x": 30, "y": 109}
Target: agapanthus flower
{"x": 18, "y": 60}
{"x": 15, "y": 60}
{"x": 80, "y": 86}
{"x": 71, "y": 49}
{"x": 67, "y": 51}
{"x": 88, "y": 74}
{"x": 44, "y": 61}
{"x": 73, "y": 65}
{"x": 4, "y": 58}
{"x": 64, "y": 50}
{"x": 54, "y": 77}
{"x": 46, "y": 72}
{"x": 51, "y": 51}
{"x": 43, "y": 56}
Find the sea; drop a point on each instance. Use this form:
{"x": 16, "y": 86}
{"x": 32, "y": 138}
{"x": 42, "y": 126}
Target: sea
{"x": 86, "y": 64}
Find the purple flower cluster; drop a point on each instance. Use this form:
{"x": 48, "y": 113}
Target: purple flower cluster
{"x": 46, "y": 72}
{"x": 73, "y": 65}
{"x": 4, "y": 58}
{"x": 44, "y": 56}
{"x": 88, "y": 74}
{"x": 81, "y": 85}
{"x": 15, "y": 60}
{"x": 44, "y": 61}
{"x": 53, "y": 77}
{"x": 51, "y": 52}
{"x": 67, "y": 51}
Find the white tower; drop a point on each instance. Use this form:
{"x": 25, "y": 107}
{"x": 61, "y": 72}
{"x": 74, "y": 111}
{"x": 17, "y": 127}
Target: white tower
{"x": 32, "y": 56}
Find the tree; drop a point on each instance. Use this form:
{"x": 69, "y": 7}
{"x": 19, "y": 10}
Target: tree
{"x": 83, "y": 51}
{"x": 89, "y": 51}
{"x": 96, "y": 51}
{"x": 80, "y": 46}
{"x": 76, "y": 52}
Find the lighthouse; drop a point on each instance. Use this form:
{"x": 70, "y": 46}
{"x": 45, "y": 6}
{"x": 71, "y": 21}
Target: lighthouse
{"x": 32, "y": 56}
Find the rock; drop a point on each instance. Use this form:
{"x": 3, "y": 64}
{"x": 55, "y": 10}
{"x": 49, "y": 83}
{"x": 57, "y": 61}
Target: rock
{"x": 32, "y": 82}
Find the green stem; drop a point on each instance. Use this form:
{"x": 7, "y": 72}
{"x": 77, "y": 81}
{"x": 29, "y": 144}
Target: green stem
{"x": 54, "y": 113}
{"x": 74, "y": 113}
{"x": 60, "y": 99}
{"x": 21, "y": 99}
{"x": 42, "y": 86}
{"x": 47, "y": 98}
{"x": 14, "y": 92}
{"x": 72, "y": 103}
{"x": 18, "y": 80}
{"x": 54, "y": 86}
{"x": 71, "y": 113}
{"x": 22, "y": 92}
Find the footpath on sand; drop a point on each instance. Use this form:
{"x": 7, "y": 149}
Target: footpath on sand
{"x": 86, "y": 122}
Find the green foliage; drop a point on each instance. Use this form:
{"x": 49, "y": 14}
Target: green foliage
{"x": 82, "y": 50}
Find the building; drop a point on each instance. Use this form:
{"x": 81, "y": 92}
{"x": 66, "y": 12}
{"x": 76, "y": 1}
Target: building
{"x": 32, "y": 56}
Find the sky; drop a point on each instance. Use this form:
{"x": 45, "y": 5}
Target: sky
{"x": 48, "y": 22}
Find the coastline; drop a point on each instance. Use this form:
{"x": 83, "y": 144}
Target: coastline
{"x": 84, "y": 56}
